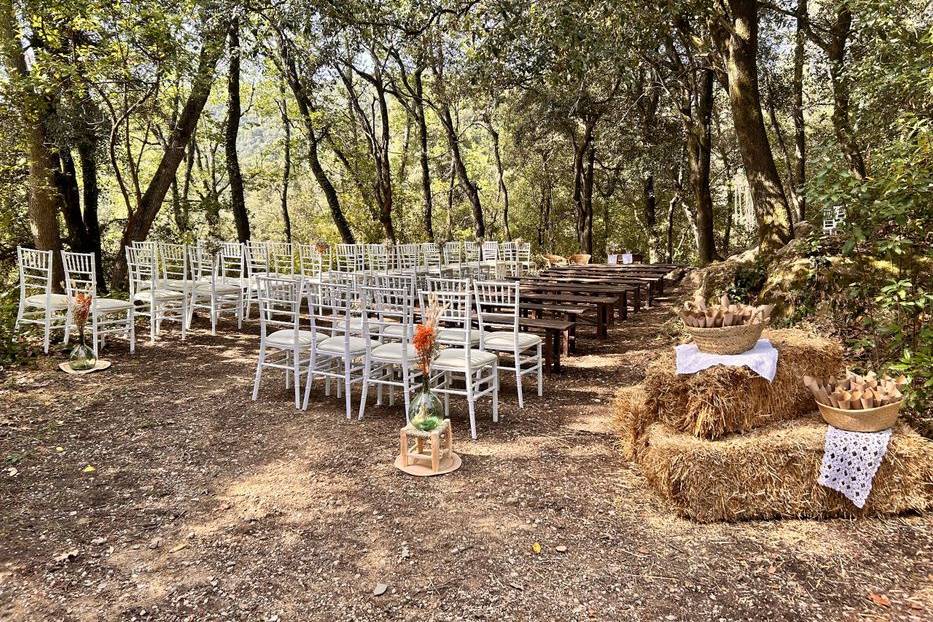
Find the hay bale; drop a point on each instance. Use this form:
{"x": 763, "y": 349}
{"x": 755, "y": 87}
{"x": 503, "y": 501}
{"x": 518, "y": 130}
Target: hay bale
{"x": 772, "y": 473}
{"x": 724, "y": 400}
{"x": 630, "y": 418}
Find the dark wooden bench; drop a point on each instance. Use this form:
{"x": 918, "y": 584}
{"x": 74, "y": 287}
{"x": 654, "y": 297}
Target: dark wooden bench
{"x": 602, "y": 304}
{"x": 556, "y": 338}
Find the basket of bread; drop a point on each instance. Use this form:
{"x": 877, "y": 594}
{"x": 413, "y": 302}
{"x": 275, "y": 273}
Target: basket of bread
{"x": 858, "y": 403}
{"x": 724, "y": 328}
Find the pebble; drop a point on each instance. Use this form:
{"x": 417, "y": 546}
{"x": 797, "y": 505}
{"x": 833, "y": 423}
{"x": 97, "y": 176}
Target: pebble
{"x": 380, "y": 589}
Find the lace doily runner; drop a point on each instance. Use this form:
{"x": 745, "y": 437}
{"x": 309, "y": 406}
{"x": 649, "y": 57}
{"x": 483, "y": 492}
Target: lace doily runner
{"x": 762, "y": 359}
{"x": 850, "y": 461}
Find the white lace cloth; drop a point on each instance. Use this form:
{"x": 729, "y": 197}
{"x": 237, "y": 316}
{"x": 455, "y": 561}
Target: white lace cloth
{"x": 850, "y": 461}
{"x": 762, "y": 359}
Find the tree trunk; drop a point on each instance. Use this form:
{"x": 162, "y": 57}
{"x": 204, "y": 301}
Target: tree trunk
{"x": 779, "y": 136}
{"x": 140, "y": 221}
{"x": 66, "y": 181}
{"x": 739, "y": 45}
{"x": 43, "y": 199}
{"x": 800, "y": 136}
{"x": 842, "y": 125}
{"x": 500, "y": 173}
{"x": 650, "y": 201}
{"x": 583, "y": 155}
{"x": 424, "y": 155}
{"x": 469, "y": 187}
{"x": 730, "y": 210}
{"x": 237, "y": 199}
{"x": 287, "y": 165}
{"x": 545, "y": 206}
{"x": 304, "y": 108}
{"x": 699, "y": 149}
{"x": 87, "y": 156}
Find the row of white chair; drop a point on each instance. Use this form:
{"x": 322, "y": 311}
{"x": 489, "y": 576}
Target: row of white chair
{"x": 361, "y": 327}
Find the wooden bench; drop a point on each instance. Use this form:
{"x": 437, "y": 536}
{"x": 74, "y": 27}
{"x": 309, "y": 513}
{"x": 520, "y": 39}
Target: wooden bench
{"x": 602, "y": 304}
{"x": 568, "y": 312}
{"x": 556, "y": 338}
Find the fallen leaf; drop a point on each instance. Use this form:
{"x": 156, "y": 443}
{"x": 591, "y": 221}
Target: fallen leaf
{"x": 380, "y": 589}
{"x": 536, "y": 548}
{"x": 88, "y": 469}
{"x": 880, "y": 599}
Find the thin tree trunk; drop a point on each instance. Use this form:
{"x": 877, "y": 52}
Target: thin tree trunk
{"x": 140, "y": 221}
{"x": 730, "y": 210}
{"x": 544, "y": 208}
{"x": 424, "y": 155}
{"x": 66, "y": 180}
{"x": 650, "y": 201}
{"x": 800, "y": 136}
{"x": 699, "y": 149}
{"x": 43, "y": 199}
{"x": 500, "y": 174}
{"x": 779, "y": 135}
{"x": 287, "y": 165}
{"x": 304, "y": 108}
{"x": 87, "y": 156}
{"x": 469, "y": 187}
{"x": 739, "y": 45}
{"x": 232, "y": 130}
{"x": 582, "y": 165}
{"x": 836, "y": 51}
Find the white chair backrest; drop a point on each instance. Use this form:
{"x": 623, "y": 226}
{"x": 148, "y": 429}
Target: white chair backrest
{"x": 232, "y": 261}
{"x": 471, "y": 251}
{"x": 339, "y": 299}
{"x": 205, "y": 265}
{"x": 173, "y": 261}
{"x": 430, "y": 255}
{"x": 80, "y": 273}
{"x": 257, "y": 258}
{"x": 279, "y": 302}
{"x": 406, "y": 256}
{"x": 388, "y": 300}
{"x": 35, "y": 272}
{"x": 453, "y": 252}
{"x": 310, "y": 260}
{"x": 497, "y": 305}
{"x": 377, "y": 258}
{"x": 456, "y": 297}
{"x": 524, "y": 251}
{"x": 490, "y": 250}
{"x": 509, "y": 251}
{"x": 345, "y": 258}
{"x": 141, "y": 268}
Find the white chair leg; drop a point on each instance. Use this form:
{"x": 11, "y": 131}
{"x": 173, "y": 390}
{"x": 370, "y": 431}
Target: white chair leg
{"x": 518, "y": 379}
{"x": 239, "y": 311}
{"x": 367, "y": 368}
{"x": 297, "y": 371}
{"x": 495, "y": 392}
{"x": 47, "y": 326}
{"x": 471, "y": 405}
{"x": 184, "y": 309}
{"x": 68, "y": 320}
{"x": 406, "y": 388}
{"x": 310, "y": 379}
{"x": 131, "y": 332}
{"x": 346, "y": 382}
{"x": 262, "y": 360}
{"x": 213, "y": 315}
{"x": 153, "y": 320}
{"x": 540, "y": 373}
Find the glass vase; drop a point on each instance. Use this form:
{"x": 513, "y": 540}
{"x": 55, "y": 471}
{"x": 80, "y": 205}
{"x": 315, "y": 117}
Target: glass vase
{"x": 82, "y": 356}
{"x": 425, "y": 411}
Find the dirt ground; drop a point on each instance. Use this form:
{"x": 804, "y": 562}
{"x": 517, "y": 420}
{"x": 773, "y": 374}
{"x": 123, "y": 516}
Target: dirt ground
{"x": 159, "y": 491}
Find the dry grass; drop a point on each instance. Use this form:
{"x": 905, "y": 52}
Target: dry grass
{"x": 724, "y": 400}
{"x": 772, "y": 473}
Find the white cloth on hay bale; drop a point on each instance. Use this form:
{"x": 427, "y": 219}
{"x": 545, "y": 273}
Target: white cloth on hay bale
{"x": 762, "y": 359}
{"x": 850, "y": 461}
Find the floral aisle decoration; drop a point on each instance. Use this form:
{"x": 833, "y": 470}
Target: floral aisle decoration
{"x": 82, "y": 356}
{"x": 425, "y": 412}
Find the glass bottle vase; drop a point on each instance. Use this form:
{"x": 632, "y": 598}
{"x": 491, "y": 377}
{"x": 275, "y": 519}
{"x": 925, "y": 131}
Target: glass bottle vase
{"x": 425, "y": 411}
{"x": 82, "y": 355}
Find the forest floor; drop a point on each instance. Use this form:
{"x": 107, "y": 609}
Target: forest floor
{"x": 204, "y": 505}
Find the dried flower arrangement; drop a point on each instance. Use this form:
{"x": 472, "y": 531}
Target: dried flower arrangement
{"x": 425, "y": 341}
{"x": 698, "y": 314}
{"x": 856, "y": 392}
{"x": 81, "y": 309}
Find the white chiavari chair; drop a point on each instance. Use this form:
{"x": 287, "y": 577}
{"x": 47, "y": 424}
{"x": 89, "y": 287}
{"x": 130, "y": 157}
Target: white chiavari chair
{"x": 108, "y": 316}
{"x": 38, "y": 304}
{"x": 345, "y": 258}
{"x": 256, "y": 259}
{"x": 337, "y": 315}
{"x": 431, "y": 258}
{"x": 310, "y": 261}
{"x": 497, "y": 307}
{"x": 174, "y": 267}
{"x": 282, "y": 343}
{"x": 407, "y": 257}
{"x": 212, "y": 291}
{"x": 478, "y": 368}
{"x": 149, "y": 299}
{"x": 388, "y": 307}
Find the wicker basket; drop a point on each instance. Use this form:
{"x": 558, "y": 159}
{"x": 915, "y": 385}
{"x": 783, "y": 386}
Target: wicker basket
{"x": 862, "y": 420}
{"x": 726, "y": 339}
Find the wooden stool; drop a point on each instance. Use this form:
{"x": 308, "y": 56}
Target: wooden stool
{"x": 434, "y": 457}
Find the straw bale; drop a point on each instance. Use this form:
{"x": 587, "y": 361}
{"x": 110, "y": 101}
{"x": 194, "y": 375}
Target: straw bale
{"x": 772, "y": 473}
{"x": 631, "y": 420}
{"x": 723, "y": 400}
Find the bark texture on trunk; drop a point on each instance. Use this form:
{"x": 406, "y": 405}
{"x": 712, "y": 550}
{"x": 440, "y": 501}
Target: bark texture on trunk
{"x": 423, "y": 154}
{"x": 583, "y": 159}
{"x": 800, "y": 136}
{"x": 500, "y": 175}
{"x": 699, "y": 149}
{"x": 140, "y": 221}
{"x": 232, "y": 130}
{"x": 466, "y": 184}
{"x": 87, "y": 156}
{"x": 739, "y": 46}
{"x": 33, "y": 108}
{"x": 286, "y": 166}
{"x": 303, "y": 102}
{"x": 842, "y": 124}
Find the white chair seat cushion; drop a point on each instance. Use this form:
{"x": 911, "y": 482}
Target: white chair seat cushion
{"x": 160, "y": 295}
{"x": 220, "y": 288}
{"x": 335, "y": 345}
{"x": 392, "y": 353}
{"x": 108, "y": 305}
{"x": 395, "y": 331}
{"x": 356, "y": 323}
{"x": 505, "y": 340}
{"x": 455, "y": 335}
{"x": 456, "y": 359}
{"x": 57, "y": 301}
{"x": 286, "y": 338}
{"x": 175, "y": 284}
